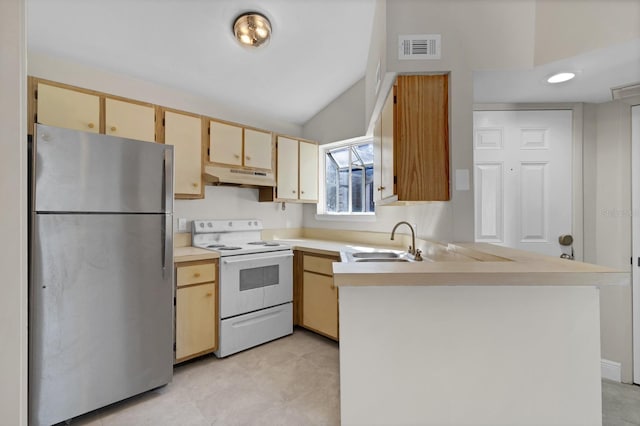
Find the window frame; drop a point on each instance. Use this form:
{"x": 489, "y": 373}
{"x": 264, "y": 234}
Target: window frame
{"x": 322, "y": 213}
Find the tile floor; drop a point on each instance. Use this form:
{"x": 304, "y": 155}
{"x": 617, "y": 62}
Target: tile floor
{"x": 291, "y": 381}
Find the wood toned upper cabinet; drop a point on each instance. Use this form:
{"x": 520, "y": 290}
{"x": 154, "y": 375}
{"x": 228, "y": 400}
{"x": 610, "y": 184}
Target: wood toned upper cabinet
{"x": 308, "y": 170}
{"x": 287, "y": 167}
{"x": 225, "y": 143}
{"x": 71, "y": 109}
{"x": 130, "y": 120}
{"x": 184, "y": 132}
{"x": 258, "y": 149}
{"x": 421, "y": 138}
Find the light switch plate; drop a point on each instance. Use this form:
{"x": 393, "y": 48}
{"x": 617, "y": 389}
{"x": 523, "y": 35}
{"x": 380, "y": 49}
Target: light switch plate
{"x": 462, "y": 180}
{"x": 182, "y": 224}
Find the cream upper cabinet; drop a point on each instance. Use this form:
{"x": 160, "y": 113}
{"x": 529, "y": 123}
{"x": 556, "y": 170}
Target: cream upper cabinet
{"x": 258, "y": 149}
{"x": 308, "y": 171}
{"x": 68, "y": 108}
{"x": 287, "y": 180}
{"x": 184, "y": 132}
{"x": 225, "y": 143}
{"x": 130, "y": 120}
{"x": 385, "y": 187}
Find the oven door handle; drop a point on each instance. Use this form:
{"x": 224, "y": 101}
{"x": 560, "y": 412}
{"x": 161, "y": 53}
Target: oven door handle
{"x": 246, "y": 259}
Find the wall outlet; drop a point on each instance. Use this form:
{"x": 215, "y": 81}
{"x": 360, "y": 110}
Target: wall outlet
{"x": 182, "y": 224}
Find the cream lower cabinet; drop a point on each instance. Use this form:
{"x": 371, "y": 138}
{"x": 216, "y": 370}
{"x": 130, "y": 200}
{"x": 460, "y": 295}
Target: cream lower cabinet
{"x": 130, "y": 120}
{"x": 184, "y": 132}
{"x": 196, "y": 309}
{"x": 319, "y": 310}
{"x": 71, "y": 109}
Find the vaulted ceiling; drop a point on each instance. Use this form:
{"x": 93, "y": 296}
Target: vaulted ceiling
{"x": 318, "y": 50}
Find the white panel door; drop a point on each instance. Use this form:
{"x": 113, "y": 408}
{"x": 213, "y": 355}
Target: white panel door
{"x": 522, "y": 174}
{"x": 635, "y": 224}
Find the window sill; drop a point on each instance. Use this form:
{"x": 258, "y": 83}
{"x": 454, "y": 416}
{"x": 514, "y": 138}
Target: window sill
{"x": 352, "y": 217}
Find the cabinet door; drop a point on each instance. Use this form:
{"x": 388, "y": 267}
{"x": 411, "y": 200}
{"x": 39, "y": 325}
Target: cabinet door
{"x": 68, "y": 108}
{"x": 386, "y": 149}
{"x": 130, "y": 120}
{"x": 422, "y": 145}
{"x": 320, "y": 304}
{"x": 184, "y": 133}
{"x": 195, "y": 320}
{"x": 308, "y": 171}
{"x": 287, "y": 179}
{"x": 257, "y": 149}
{"x": 377, "y": 160}
{"x": 225, "y": 143}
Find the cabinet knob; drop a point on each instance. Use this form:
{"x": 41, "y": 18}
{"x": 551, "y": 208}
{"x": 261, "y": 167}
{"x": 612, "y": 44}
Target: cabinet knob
{"x": 113, "y": 128}
{"x": 293, "y": 191}
{"x": 195, "y": 185}
{"x": 381, "y": 188}
{"x": 209, "y": 294}
{"x": 196, "y": 275}
{"x": 247, "y": 157}
{"x": 91, "y": 125}
{"x": 302, "y": 192}
{"x": 236, "y": 156}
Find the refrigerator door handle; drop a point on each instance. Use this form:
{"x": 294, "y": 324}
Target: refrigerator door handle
{"x": 167, "y": 242}
{"x": 167, "y": 182}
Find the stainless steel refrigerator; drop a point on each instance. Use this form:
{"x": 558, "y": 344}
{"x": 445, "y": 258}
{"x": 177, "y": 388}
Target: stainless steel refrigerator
{"x": 101, "y": 271}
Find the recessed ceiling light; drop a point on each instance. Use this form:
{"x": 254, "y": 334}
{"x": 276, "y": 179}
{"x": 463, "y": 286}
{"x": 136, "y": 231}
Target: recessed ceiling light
{"x": 561, "y": 77}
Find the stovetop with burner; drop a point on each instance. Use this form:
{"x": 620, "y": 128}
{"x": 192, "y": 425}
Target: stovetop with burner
{"x": 232, "y": 237}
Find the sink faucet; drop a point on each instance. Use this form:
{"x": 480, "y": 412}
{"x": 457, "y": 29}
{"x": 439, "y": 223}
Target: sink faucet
{"x": 412, "y": 248}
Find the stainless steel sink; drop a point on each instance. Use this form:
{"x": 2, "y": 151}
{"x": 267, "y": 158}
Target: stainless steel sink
{"x": 383, "y": 259}
{"x": 377, "y": 255}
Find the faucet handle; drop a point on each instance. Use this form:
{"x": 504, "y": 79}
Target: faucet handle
{"x": 418, "y": 255}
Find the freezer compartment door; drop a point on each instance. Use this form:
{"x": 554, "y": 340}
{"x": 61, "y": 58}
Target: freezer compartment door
{"x": 85, "y": 172}
{"x": 101, "y": 311}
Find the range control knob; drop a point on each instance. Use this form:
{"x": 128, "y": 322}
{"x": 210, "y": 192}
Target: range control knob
{"x": 201, "y": 225}
{"x": 255, "y": 223}
{"x": 209, "y": 224}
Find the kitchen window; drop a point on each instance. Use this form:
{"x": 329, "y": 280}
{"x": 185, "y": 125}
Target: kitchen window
{"x": 346, "y": 181}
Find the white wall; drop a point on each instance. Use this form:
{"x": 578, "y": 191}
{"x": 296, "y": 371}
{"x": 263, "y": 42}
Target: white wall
{"x": 613, "y": 226}
{"x": 568, "y": 28}
{"x": 227, "y": 202}
{"x": 346, "y": 115}
{"x": 13, "y": 226}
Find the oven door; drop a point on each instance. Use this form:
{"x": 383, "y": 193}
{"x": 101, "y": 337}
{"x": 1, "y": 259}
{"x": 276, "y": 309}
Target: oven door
{"x": 254, "y": 281}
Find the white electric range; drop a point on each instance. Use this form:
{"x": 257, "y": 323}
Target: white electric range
{"x": 255, "y": 280}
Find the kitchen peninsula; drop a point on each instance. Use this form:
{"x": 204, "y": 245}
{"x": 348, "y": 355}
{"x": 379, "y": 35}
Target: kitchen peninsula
{"x": 513, "y": 338}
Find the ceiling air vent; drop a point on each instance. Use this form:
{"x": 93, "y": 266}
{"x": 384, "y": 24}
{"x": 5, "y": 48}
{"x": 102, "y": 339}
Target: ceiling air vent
{"x": 419, "y": 46}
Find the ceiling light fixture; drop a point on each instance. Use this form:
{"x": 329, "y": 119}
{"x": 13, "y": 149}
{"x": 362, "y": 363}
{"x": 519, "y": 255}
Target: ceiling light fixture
{"x": 252, "y": 29}
{"x": 561, "y": 77}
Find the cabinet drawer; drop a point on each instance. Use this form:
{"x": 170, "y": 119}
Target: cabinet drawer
{"x": 194, "y": 274}
{"x": 321, "y": 265}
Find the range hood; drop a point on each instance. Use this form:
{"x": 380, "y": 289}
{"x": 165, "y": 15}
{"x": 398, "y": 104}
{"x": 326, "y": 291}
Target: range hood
{"x": 216, "y": 175}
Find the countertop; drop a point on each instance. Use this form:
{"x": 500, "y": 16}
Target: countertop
{"x": 452, "y": 264}
{"x": 503, "y": 266}
{"x": 188, "y": 254}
